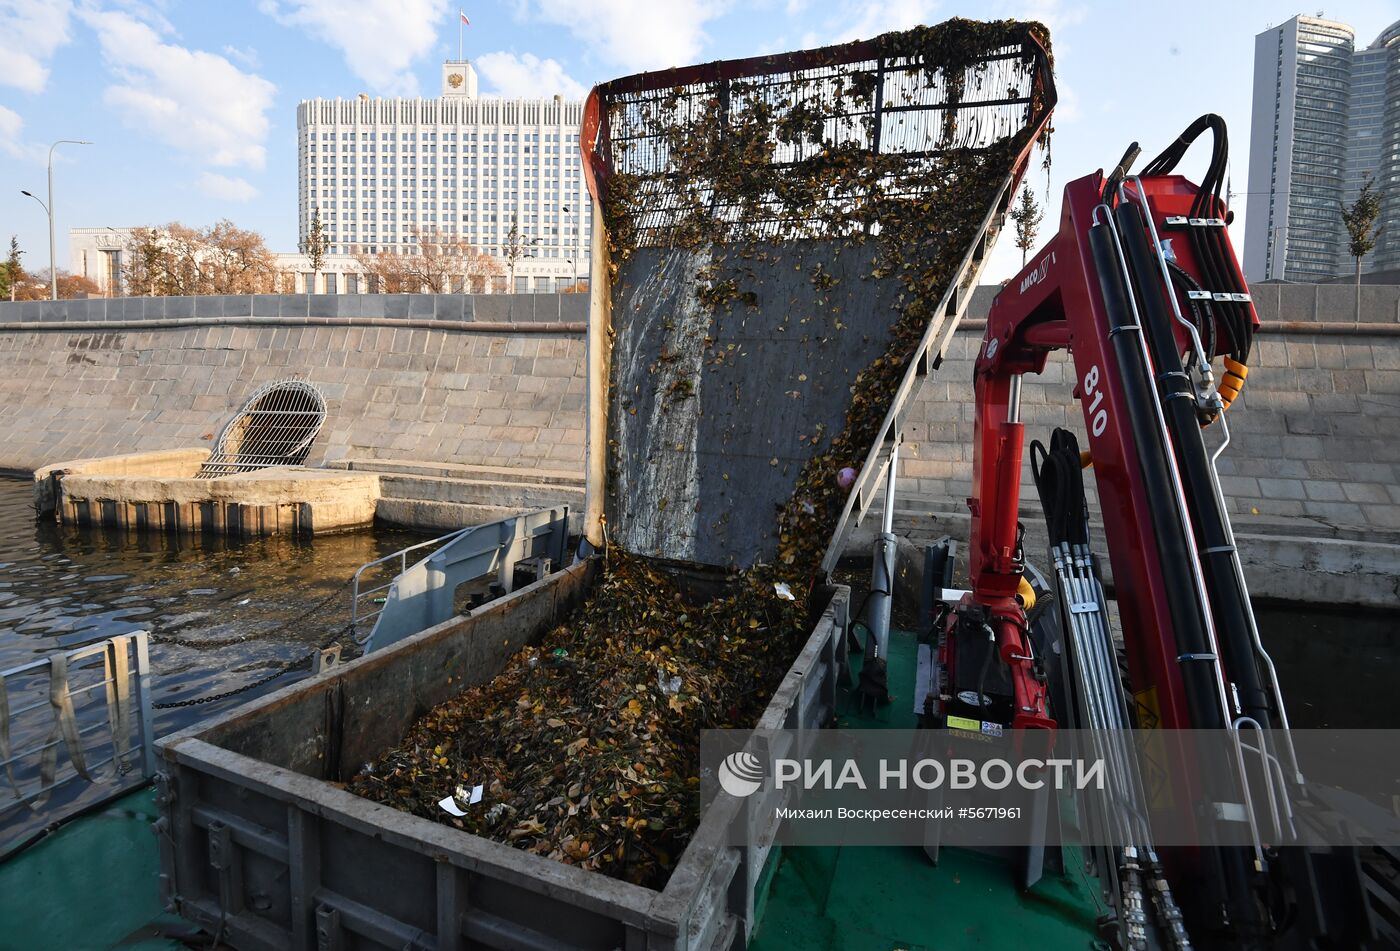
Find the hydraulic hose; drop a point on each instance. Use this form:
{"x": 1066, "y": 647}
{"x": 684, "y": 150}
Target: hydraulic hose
{"x": 1223, "y": 871}
{"x": 1230, "y": 609}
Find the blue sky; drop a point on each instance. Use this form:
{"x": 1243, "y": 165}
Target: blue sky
{"x": 192, "y": 105}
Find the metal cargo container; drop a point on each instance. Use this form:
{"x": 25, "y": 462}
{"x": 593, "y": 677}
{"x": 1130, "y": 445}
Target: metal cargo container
{"x": 260, "y": 846}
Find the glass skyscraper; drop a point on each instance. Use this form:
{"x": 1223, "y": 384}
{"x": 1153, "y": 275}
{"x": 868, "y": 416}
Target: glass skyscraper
{"x": 1326, "y": 118}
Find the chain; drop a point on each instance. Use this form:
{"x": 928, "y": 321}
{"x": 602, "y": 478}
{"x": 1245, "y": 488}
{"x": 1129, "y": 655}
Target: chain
{"x": 261, "y": 681}
{"x": 276, "y": 672}
{"x": 230, "y": 641}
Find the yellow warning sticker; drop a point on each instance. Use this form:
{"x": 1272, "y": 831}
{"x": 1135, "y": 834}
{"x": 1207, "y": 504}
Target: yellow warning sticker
{"x": 1153, "y": 755}
{"x": 963, "y": 723}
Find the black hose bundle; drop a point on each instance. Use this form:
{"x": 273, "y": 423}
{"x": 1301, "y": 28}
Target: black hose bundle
{"x": 1059, "y": 479}
{"x": 1208, "y": 243}
{"x": 1199, "y": 309}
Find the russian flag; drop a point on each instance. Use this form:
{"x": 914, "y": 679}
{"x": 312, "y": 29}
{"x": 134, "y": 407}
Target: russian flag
{"x": 464, "y": 18}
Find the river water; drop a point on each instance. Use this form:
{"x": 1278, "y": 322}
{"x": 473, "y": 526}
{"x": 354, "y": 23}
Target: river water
{"x": 221, "y": 612}
{"x": 218, "y": 613}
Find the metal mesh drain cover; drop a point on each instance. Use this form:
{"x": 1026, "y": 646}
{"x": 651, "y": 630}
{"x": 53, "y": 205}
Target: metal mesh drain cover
{"x": 275, "y": 427}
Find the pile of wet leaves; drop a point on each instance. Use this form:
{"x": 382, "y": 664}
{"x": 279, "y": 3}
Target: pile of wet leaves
{"x": 587, "y": 745}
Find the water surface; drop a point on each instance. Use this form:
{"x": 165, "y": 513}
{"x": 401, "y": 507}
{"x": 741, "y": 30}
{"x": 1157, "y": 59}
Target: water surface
{"x": 221, "y": 612}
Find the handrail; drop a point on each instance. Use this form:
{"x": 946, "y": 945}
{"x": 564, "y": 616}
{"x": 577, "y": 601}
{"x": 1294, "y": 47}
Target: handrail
{"x": 125, "y": 727}
{"x": 422, "y": 594}
{"x": 402, "y": 556}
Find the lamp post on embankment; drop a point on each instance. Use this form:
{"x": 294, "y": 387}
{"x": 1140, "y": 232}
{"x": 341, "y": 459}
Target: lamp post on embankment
{"x": 48, "y": 210}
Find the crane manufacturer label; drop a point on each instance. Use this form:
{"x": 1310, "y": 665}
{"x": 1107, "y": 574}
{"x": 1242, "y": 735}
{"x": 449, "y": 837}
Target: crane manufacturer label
{"x": 1042, "y": 270}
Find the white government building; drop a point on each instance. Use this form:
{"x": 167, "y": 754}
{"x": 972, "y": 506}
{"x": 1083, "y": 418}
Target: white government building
{"x": 380, "y": 171}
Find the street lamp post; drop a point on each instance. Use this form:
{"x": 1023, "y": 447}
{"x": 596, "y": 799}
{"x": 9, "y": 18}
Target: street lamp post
{"x": 578, "y": 246}
{"x": 46, "y": 215}
{"x": 48, "y": 209}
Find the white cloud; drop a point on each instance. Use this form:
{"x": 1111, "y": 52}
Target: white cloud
{"x": 225, "y": 188}
{"x": 193, "y": 100}
{"x": 634, "y": 34}
{"x": 10, "y": 126}
{"x": 244, "y": 56}
{"x": 526, "y": 77}
{"x": 30, "y": 32}
{"x": 867, "y": 18}
{"x": 381, "y": 39}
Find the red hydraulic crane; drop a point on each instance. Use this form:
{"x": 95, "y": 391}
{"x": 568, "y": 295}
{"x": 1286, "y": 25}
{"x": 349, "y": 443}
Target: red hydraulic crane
{"x": 1141, "y": 286}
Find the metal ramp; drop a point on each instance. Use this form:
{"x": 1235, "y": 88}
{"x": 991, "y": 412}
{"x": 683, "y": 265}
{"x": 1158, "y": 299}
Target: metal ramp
{"x": 788, "y": 243}
{"x": 426, "y": 593}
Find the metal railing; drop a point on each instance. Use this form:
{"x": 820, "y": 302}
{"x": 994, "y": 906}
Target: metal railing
{"x": 70, "y": 716}
{"x": 424, "y": 593}
{"x": 367, "y": 603}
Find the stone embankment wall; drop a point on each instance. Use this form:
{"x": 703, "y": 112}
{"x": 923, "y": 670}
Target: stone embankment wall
{"x": 498, "y": 380}
{"x": 491, "y": 380}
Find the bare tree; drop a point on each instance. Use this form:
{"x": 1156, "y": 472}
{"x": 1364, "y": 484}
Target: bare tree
{"x": 174, "y": 260}
{"x": 148, "y": 264}
{"x": 1360, "y": 221}
{"x": 239, "y": 261}
{"x": 438, "y": 263}
{"x": 516, "y": 248}
{"x": 70, "y": 285}
{"x": 1027, "y": 217}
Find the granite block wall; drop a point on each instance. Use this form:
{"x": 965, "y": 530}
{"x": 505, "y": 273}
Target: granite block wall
{"x": 498, "y": 380}
{"x": 437, "y": 382}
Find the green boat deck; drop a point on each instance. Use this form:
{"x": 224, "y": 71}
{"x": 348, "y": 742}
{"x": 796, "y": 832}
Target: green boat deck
{"x": 876, "y": 898}
{"x": 92, "y": 885}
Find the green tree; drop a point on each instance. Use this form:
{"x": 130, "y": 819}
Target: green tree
{"x": 1026, "y": 216}
{"x": 12, "y": 271}
{"x": 1360, "y": 221}
{"x": 315, "y": 246}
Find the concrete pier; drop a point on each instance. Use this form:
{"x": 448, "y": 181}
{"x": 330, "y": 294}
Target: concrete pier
{"x": 158, "y": 492}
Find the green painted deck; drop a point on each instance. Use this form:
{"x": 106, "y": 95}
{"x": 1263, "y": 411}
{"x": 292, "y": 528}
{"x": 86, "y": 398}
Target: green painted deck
{"x": 90, "y": 886}
{"x": 883, "y": 899}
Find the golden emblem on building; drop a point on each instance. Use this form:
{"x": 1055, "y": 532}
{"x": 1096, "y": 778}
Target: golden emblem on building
{"x": 454, "y": 80}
